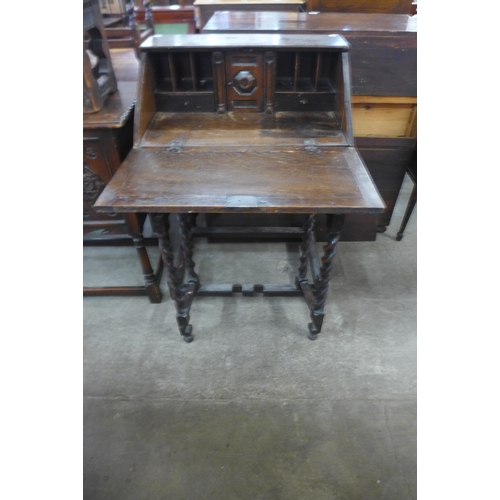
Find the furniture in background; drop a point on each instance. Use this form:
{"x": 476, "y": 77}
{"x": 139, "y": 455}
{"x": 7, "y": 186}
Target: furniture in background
{"x": 204, "y": 9}
{"x": 98, "y": 77}
{"x": 125, "y": 65}
{"x": 412, "y": 174}
{"x": 169, "y": 15}
{"x": 384, "y": 94}
{"x": 361, "y": 6}
{"x": 130, "y": 35}
{"x": 107, "y": 138}
{"x": 232, "y": 124}
{"x": 113, "y": 8}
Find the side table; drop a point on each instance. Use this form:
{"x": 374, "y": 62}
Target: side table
{"x": 107, "y": 138}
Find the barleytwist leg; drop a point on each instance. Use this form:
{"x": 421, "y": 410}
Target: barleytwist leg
{"x": 335, "y": 224}
{"x": 304, "y": 250}
{"x": 185, "y": 223}
{"x": 181, "y": 296}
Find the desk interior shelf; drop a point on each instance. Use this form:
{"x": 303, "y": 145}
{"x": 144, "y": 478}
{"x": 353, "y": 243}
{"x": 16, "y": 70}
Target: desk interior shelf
{"x": 280, "y": 90}
{"x": 306, "y": 72}
{"x": 185, "y": 72}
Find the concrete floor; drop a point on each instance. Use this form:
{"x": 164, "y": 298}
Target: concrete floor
{"x": 252, "y": 409}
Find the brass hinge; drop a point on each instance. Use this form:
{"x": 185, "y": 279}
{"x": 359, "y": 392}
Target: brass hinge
{"x": 175, "y": 146}
{"x": 311, "y": 146}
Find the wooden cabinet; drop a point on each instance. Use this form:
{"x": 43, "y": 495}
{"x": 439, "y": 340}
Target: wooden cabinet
{"x": 383, "y": 55}
{"x": 107, "y": 139}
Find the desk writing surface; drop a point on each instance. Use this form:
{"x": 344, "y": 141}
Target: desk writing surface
{"x": 280, "y": 180}
{"x": 210, "y": 130}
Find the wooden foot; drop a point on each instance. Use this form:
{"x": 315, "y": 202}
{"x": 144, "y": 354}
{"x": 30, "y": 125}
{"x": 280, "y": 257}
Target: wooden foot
{"x": 181, "y": 294}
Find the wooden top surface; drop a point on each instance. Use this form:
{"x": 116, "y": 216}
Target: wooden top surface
{"x": 286, "y": 180}
{"x": 215, "y": 131}
{"x": 241, "y": 41}
{"x": 307, "y": 22}
{"x": 125, "y": 64}
{"x": 116, "y": 109}
{"x": 251, "y": 2}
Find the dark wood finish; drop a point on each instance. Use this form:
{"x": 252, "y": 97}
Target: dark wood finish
{"x": 386, "y": 160}
{"x": 130, "y": 35}
{"x": 284, "y": 128}
{"x": 212, "y": 138}
{"x": 98, "y": 77}
{"x": 182, "y": 295}
{"x": 383, "y": 47}
{"x": 412, "y": 174}
{"x": 107, "y": 139}
{"x": 205, "y": 8}
{"x": 125, "y": 65}
{"x": 361, "y": 6}
{"x": 197, "y": 181}
{"x": 305, "y": 22}
{"x": 170, "y": 14}
{"x": 384, "y": 86}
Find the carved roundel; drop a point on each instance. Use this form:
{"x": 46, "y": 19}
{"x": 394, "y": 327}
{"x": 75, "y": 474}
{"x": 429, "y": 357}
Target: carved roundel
{"x": 244, "y": 82}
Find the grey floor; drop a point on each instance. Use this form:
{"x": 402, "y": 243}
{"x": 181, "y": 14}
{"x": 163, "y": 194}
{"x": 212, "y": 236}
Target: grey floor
{"x": 252, "y": 409}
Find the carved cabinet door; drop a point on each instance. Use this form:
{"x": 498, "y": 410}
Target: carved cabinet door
{"x": 245, "y": 81}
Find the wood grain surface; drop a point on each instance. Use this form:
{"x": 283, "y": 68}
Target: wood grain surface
{"x": 331, "y": 180}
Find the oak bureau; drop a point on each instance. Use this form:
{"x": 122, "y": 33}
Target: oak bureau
{"x": 227, "y": 124}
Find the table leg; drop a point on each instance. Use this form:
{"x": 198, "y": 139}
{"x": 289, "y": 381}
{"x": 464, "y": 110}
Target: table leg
{"x": 182, "y": 295}
{"x": 185, "y": 222}
{"x": 409, "y": 209}
{"x": 151, "y": 280}
{"x": 316, "y": 297}
{"x": 304, "y": 250}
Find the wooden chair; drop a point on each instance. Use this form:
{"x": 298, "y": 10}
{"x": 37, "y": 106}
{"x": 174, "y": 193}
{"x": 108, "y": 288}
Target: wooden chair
{"x": 169, "y": 14}
{"x": 131, "y": 36}
{"x": 412, "y": 173}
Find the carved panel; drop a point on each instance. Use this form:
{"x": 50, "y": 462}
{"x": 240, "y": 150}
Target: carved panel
{"x": 244, "y": 82}
{"x": 92, "y": 185}
{"x": 245, "y": 77}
